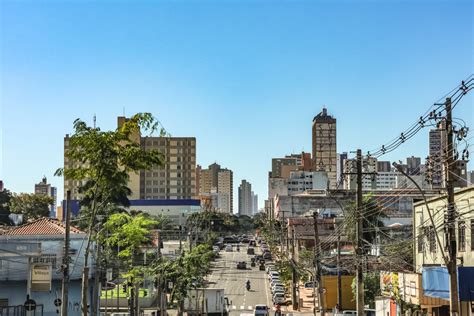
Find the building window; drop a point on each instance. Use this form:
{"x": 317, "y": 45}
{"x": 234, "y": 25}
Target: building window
{"x": 420, "y": 240}
{"x": 46, "y": 258}
{"x": 432, "y": 239}
{"x": 461, "y": 236}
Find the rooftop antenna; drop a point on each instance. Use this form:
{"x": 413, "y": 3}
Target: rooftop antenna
{"x": 123, "y": 111}
{"x": 95, "y": 119}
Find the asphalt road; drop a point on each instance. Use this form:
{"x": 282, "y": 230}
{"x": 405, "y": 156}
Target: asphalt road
{"x": 226, "y": 275}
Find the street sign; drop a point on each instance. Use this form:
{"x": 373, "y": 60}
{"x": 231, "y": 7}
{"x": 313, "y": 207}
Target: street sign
{"x": 57, "y": 302}
{"x": 30, "y": 305}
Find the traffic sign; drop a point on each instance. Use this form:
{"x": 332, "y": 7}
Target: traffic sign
{"x": 30, "y": 305}
{"x": 57, "y": 302}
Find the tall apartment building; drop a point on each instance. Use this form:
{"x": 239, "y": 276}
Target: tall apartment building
{"x": 340, "y": 169}
{"x": 281, "y": 167}
{"x": 324, "y": 146}
{"x": 44, "y": 188}
{"x": 254, "y": 203}
{"x": 176, "y": 179}
{"x": 384, "y": 166}
{"x": 217, "y": 180}
{"x": 413, "y": 165}
{"x": 245, "y": 198}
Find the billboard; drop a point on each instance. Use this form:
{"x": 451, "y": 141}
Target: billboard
{"x": 41, "y": 275}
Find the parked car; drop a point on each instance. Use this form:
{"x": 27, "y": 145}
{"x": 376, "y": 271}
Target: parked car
{"x": 309, "y": 285}
{"x": 261, "y": 310}
{"x": 273, "y": 273}
{"x": 252, "y": 243}
{"x": 228, "y": 248}
{"x": 279, "y": 298}
{"x": 267, "y": 256}
{"x": 216, "y": 248}
{"x": 242, "y": 265}
{"x": 250, "y": 251}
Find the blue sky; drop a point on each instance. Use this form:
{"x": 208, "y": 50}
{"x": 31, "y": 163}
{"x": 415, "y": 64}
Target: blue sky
{"x": 244, "y": 77}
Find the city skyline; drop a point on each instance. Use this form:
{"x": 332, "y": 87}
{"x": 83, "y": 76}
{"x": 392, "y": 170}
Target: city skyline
{"x": 246, "y": 92}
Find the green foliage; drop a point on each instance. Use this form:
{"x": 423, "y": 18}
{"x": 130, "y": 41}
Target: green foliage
{"x": 128, "y": 233}
{"x": 5, "y": 197}
{"x": 103, "y": 160}
{"x": 32, "y": 206}
{"x": 187, "y": 272}
{"x": 398, "y": 253}
{"x": 371, "y": 213}
{"x": 371, "y": 287}
{"x": 259, "y": 219}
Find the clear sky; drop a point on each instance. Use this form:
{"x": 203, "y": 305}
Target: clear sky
{"x": 244, "y": 77}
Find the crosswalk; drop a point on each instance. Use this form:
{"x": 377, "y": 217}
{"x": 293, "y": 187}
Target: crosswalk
{"x": 246, "y": 308}
{"x": 242, "y": 307}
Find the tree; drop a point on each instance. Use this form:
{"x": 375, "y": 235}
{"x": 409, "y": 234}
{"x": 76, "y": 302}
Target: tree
{"x": 102, "y": 162}
{"x": 371, "y": 213}
{"x": 371, "y": 287}
{"x": 32, "y": 206}
{"x": 5, "y": 197}
{"x": 128, "y": 234}
{"x": 187, "y": 272}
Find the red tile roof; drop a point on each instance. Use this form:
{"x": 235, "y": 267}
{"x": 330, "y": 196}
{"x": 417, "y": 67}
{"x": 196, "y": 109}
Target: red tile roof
{"x": 42, "y": 226}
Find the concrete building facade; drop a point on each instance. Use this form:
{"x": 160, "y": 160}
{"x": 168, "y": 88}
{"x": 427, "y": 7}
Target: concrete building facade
{"x": 219, "y": 180}
{"x": 176, "y": 179}
{"x": 44, "y": 188}
{"x": 324, "y": 146}
{"x": 245, "y": 198}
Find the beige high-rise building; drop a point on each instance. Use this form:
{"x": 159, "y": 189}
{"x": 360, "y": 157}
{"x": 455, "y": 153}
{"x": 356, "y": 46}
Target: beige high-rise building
{"x": 217, "y": 180}
{"x": 225, "y": 180}
{"x": 324, "y": 146}
{"x": 176, "y": 179}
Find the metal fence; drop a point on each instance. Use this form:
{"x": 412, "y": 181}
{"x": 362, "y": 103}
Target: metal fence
{"x": 20, "y": 311}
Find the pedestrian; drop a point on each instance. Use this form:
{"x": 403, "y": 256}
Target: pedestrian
{"x": 336, "y": 309}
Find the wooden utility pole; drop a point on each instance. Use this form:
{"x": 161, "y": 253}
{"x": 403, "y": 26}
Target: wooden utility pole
{"x": 317, "y": 267}
{"x": 65, "y": 266}
{"x": 339, "y": 285}
{"x": 449, "y": 171}
{"x": 359, "y": 202}
{"x": 294, "y": 277}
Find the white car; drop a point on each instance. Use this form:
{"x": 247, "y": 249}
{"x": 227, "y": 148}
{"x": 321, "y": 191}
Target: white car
{"x": 261, "y": 310}
{"x": 277, "y": 287}
{"x": 279, "y": 298}
{"x": 228, "y": 248}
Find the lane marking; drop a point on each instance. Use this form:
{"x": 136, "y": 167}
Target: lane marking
{"x": 234, "y": 307}
{"x": 242, "y": 307}
{"x": 250, "y": 307}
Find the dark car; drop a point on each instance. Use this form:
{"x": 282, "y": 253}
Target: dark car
{"x": 250, "y": 251}
{"x": 252, "y": 243}
{"x": 242, "y": 265}
{"x": 267, "y": 256}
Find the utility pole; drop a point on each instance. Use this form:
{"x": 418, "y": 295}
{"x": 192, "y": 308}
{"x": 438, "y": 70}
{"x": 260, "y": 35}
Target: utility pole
{"x": 449, "y": 170}
{"x": 65, "y": 266}
{"x": 317, "y": 267}
{"x": 359, "y": 275}
{"x": 294, "y": 278}
{"x": 339, "y": 285}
